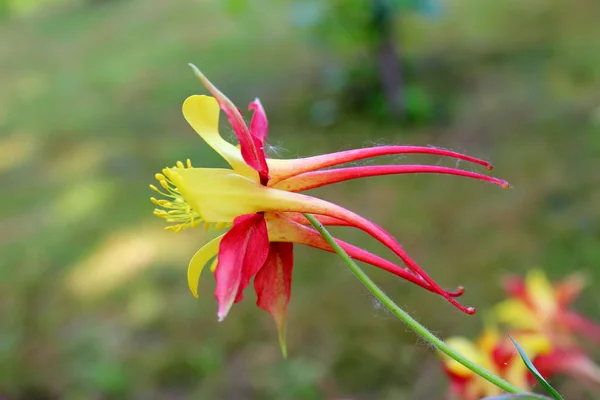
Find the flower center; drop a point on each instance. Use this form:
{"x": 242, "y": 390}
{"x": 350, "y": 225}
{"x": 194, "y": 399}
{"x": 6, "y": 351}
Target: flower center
{"x": 175, "y": 209}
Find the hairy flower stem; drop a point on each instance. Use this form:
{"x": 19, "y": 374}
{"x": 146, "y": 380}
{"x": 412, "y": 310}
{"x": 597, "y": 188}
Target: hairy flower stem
{"x": 406, "y": 318}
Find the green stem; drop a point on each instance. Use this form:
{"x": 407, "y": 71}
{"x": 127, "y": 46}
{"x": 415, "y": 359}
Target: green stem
{"x": 406, "y": 318}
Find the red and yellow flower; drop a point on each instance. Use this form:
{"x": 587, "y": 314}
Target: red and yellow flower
{"x": 497, "y": 354}
{"x": 535, "y": 304}
{"x": 537, "y": 315}
{"x": 258, "y": 200}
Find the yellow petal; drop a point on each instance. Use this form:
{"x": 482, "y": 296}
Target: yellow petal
{"x": 213, "y": 266}
{"x": 202, "y": 113}
{"x": 534, "y": 344}
{"x": 197, "y": 263}
{"x": 541, "y": 292}
{"x": 516, "y": 314}
{"x": 220, "y": 195}
{"x": 488, "y": 340}
{"x": 466, "y": 348}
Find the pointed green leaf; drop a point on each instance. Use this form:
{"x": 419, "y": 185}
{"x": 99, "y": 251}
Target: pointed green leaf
{"x": 555, "y": 395}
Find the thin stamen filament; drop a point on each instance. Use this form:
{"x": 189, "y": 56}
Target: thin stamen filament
{"x": 179, "y": 212}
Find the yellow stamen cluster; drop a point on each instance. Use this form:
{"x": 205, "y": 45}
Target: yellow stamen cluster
{"x": 176, "y": 210}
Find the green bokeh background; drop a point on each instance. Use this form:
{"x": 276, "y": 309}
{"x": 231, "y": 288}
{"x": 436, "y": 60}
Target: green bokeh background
{"x": 94, "y": 301}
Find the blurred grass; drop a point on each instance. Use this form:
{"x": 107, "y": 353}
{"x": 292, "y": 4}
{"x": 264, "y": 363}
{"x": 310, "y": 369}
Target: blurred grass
{"x": 93, "y": 298}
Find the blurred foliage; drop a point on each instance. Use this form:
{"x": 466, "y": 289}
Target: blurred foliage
{"x": 93, "y": 298}
{"x": 357, "y": 32}
{"x": 20, "y": 7}
{"x": 350, "y": 34}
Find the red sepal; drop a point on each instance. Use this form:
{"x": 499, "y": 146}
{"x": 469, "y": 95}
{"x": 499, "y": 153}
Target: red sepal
{"x": 315, "y": 179}
{"x": 259, "y": 125}
{"x": 273, "y": 285}
{"x": 250, "y": 146}
{"x": 242, "y": 253}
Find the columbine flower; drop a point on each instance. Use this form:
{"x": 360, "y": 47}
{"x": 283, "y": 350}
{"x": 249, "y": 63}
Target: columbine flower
{"x": 535, "y": 304}
{"x": 497, "y": 354}
{"x": 258, "y": 200}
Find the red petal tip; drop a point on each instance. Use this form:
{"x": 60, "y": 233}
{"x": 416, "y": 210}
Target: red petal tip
{"x": 470, "y": 310}
{"x": 459, "y": 292}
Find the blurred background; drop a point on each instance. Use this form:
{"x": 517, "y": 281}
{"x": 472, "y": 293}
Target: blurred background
{"x": 94, "y": 301}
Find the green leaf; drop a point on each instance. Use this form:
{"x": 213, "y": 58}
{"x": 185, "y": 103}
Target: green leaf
{"x": 555, "y": 395}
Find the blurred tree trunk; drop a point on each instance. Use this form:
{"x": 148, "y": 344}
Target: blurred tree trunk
{"x": 388, "y": 58}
